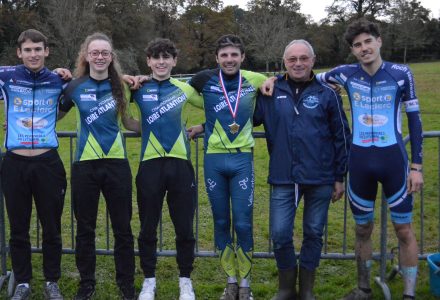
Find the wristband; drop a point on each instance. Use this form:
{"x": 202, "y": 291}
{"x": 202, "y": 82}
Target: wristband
{"x": 416, "y": 169}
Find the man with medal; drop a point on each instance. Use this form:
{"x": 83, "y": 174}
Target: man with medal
{"x": 308, "y": 138}
{"x": 229, "y": 95}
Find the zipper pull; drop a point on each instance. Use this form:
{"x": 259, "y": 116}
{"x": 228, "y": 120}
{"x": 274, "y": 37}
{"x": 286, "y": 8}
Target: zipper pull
{"x": 296, "y": 110}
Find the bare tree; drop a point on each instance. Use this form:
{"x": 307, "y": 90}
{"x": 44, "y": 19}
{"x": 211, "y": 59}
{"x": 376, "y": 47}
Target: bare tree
{"x": 70, "y": 21}
{"x": 269, "y": 26}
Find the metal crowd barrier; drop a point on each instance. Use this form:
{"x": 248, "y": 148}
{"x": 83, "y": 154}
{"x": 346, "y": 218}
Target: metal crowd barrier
{"x": 383, "y": 256}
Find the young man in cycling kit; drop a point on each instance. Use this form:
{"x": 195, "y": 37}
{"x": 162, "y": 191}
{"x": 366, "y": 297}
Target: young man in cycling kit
{"x": 376, "y": 90}
{"x": 32, "y": 167}
{"x": 229, "y": 95}
{"x": 165, "y": 166}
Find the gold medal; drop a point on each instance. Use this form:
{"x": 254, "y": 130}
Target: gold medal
{"x": 234, "y": 127}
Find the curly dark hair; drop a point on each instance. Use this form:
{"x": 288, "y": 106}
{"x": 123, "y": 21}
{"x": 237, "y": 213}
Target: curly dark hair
{"x": 161, "y": 45}
{"x": 358, "y": 27}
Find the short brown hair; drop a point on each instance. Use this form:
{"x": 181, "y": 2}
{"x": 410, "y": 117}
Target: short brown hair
{"x": 33, "y": 35}
{"x": 358, "y": 27}
{"x": 229, "y": 40}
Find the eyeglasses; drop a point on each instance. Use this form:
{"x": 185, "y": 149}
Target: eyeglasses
{"x": 104, "y": 53}
{"x": 294, "y": 60}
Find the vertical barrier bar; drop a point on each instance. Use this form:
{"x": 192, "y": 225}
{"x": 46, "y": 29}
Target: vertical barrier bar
{"x": 383, "y": 249}
{"x": 107, "y": 228}
{"x": 383, "y": 238}
{"x": 344, "y": 239}
{"x": 197, "y": 194}
{"x": 72, "y": 225}
{"x": 2, "y": 226}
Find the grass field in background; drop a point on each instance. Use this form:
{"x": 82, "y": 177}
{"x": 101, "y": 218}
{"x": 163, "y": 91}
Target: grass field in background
{"x": 334, "y": 278}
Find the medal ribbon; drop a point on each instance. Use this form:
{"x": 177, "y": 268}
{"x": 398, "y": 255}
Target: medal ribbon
{"x": 233, "y": 111}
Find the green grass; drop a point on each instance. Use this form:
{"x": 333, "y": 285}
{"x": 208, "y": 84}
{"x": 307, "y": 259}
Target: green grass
{"x": 334, "y": 278}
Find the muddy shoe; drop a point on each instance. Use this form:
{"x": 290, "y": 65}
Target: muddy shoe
{"x": 358, "y": 294}
{"x": 230, "y": 292}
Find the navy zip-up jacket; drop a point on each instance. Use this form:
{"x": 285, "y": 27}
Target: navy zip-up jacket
{"x": 308, "y": 141}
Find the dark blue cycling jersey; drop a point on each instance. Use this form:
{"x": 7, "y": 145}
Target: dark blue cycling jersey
{"x": 376, "y": 105}
{"x": 31, "y": 102}
{"x": 378, "y": 153}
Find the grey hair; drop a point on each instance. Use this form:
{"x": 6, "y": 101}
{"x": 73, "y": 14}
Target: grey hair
{"x": 301, "y": 41}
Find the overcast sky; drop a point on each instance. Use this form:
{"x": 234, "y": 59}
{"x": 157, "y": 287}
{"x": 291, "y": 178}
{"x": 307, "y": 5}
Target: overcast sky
{"x": 316, "y": 8}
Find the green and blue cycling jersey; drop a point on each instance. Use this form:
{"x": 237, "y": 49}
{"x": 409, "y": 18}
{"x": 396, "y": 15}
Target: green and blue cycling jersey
{"x": 218, "y": 136}
{"x": 161, "y": 106}
{"x": 98, "y": 126}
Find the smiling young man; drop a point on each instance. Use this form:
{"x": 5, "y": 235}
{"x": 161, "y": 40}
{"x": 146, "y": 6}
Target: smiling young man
{"x": 32, "y": 167}
{"x": 229, "y": 95}
{"x": 165, "y": 166}
{"x": 377, "y": 89}
{"x": 308, "y": 140}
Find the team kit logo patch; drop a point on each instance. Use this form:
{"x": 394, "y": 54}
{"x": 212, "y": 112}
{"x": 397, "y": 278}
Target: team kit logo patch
{"x": 311, "y": 102}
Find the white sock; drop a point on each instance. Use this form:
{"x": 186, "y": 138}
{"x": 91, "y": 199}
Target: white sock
{"x": 183, "y": 279}
{"x": 244, "y": 282}
{"x": 409, "y": 275}
{"x": 232, "y": 280}
{"x": 151, "y": 280}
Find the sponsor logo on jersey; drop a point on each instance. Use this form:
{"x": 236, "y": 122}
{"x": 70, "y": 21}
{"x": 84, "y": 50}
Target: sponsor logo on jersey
{"x": 311, "y": 102}
{"x": 18, "y": 101}
{"x": 35, "y": 123}
{"x": 21, "y": 89}
{"x": 150, "y": 97}
{"x": 51, "y": 91}
{"x": 381, "y": 82}
{"x": 89, "y": 90}
{"x": 25, "y": 82}
{"x": 360, "y": 86}
{"x": 282, "y": 97}
{"x": 399, "y": 67}
{"x": 215, "y": 88}
{"x": 151, "y": 90}
{"x": 87, "y": 97}
{"x": 356, "y": 96}
{"x": 373, "y": 120}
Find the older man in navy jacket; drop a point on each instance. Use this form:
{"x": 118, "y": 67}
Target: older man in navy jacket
{"x": 308, "y": 141}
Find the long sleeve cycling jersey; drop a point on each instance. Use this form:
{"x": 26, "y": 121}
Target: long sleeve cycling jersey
{"x": 376, "y": 105}
{"x": 31, "y": 102}
{"x": 99, "y": 134}
{"x": 161, "y": 104}
{"x": 219, "y": 138}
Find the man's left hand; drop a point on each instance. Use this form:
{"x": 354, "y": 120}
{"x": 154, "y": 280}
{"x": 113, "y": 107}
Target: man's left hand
{"x": 415, "y": 180}
{"x": 338, "y": 191}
